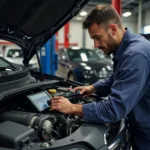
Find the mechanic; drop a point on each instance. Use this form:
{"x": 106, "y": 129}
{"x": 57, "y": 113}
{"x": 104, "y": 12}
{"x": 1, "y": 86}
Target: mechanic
{"x": 128, "y": 88}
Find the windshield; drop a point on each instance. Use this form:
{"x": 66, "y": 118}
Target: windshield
{"x": 82, "y": 55}
{"x": 102, "y": 55}
{"x": 4, "y": 64}
{"x": 15, "y": 53}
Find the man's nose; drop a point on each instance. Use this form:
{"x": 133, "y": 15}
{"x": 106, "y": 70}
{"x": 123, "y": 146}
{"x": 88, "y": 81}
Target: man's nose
{"x": 96, "y": 44}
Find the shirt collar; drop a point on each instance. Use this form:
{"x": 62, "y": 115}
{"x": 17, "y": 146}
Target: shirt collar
{"x": 124, "y": 43}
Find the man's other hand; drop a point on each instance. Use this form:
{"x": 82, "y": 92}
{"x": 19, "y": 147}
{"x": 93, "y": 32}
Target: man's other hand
{"x": 85, "y": 90}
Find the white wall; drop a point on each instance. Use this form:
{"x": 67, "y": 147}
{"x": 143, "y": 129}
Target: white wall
{"x": 61, "y": 35}
{"x": 131, "y": 23}
{"x": 89, "y": 41}
{"x": 76, "y": 33}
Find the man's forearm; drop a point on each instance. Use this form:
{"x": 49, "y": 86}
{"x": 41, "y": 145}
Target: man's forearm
{"x": 103, "y": 88}
{"x": 77, "y": 109}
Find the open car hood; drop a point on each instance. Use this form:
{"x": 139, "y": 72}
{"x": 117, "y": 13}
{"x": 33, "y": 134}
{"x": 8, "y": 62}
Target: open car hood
{"x": 30, "y": 23}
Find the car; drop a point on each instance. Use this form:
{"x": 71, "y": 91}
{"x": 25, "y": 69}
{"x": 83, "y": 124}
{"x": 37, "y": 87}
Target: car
{"x": 14, "y": 54}
{"x": 26, "y": 122}
{"x": 101, "y": 54}
{"x": 83, "y": 65}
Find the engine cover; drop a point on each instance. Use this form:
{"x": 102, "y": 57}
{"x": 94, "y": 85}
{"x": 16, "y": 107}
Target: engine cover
{"x": 14, "y": 135}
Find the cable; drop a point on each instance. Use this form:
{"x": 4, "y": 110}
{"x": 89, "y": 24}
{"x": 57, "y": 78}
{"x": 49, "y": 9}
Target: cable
{"x": 56, "y": 133}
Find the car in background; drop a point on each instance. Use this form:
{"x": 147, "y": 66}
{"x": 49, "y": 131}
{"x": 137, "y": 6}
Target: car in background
{"x": 14, "y": 54}
{"x": 147, "y": 36}
{"x": 83, "y": 65}
{"x": 103, "y": 56}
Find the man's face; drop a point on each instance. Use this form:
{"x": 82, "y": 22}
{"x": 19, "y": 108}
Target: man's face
{"x": 104, "y": 39}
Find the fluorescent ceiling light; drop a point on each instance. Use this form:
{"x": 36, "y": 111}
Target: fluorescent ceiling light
{"x": 127, "y": 14}
{"x": 83, "y": 13}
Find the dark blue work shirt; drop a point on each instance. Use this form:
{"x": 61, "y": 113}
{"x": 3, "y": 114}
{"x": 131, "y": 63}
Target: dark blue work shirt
{"x": 128, "y": 91}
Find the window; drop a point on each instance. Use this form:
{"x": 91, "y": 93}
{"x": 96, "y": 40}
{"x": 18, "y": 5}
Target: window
{"x": 147, "y": 29}
{"x": 15, "y": 53}
{"x": 3, "y": 63}
{"x": 83, "y": 55}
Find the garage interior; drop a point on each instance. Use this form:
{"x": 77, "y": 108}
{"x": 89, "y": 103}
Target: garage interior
{"x": 69, "y": 59}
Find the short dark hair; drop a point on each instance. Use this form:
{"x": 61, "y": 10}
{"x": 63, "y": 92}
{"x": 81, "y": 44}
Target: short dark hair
{"x": 102, "y": 14}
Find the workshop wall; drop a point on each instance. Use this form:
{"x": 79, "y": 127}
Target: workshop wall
{"x": 75, "y": 35}
{"x": 76, "y": 31}
{"x": 131, "y": 23}
{"x": 145, "y": 17}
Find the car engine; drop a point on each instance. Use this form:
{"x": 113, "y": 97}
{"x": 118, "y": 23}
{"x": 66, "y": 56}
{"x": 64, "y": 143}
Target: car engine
{"x": 26, "y": 113}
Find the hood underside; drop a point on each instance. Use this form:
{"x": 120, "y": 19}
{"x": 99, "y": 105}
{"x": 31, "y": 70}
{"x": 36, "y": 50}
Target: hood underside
{"x": 30, "y": 23}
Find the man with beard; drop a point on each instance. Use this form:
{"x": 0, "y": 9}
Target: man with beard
{"x": 128, "y": 88}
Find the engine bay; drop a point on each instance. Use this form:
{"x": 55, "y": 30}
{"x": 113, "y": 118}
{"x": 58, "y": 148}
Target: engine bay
{"x": 29, "y": 111}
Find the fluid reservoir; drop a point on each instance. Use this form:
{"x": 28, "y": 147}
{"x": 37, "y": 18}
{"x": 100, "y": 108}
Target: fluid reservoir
{"x": 52, "y": 91}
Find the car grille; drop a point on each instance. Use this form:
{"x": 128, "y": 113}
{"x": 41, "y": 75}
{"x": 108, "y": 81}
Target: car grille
{"x": 102, "y": 73}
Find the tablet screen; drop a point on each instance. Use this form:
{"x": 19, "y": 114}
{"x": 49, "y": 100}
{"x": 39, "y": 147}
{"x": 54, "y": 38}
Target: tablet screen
{"x": 39, "y": 100}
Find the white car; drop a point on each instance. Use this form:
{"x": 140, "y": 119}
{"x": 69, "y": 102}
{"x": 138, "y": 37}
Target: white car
{"x": 14, "y": 54}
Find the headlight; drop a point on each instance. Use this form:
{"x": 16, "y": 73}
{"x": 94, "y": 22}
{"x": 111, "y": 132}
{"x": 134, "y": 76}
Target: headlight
{"x": 103, "y": 73}
{"x": 88, "y": 73}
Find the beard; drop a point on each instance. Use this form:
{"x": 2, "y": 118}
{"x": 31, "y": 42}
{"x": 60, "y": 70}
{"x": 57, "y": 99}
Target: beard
{"x": 111, "y": 46}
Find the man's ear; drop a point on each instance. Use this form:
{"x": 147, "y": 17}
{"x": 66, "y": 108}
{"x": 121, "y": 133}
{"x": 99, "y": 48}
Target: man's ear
{"x": 113, "y": 29}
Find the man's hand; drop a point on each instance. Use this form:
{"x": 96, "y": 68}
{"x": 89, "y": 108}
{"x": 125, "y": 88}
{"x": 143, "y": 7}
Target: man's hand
{"x": 86, "y": 90}
{"x": 61, "y": 104}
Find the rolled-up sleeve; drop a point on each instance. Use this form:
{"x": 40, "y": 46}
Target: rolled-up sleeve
{"x": 128, "y": 87}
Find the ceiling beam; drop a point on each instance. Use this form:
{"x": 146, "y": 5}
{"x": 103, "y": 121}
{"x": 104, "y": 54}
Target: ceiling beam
{"x": 127, "y": 3}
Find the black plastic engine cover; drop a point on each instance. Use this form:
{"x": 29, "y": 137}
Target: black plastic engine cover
{"x": 13, "y": 135}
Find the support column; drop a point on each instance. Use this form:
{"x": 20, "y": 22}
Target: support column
{"x": 66, "y": 35}
{"x": 117, "y": 6}
{"x": 48, "y": 57}
{"x": 84, "y": 39}
{"x": 140, "y": 17}
{"x": 56, "y": 41}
